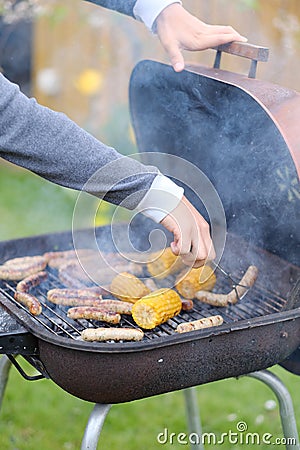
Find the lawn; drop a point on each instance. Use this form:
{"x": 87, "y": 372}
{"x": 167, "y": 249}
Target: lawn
{"x": 39, "y": 415}
{"x": 30, "y": 205}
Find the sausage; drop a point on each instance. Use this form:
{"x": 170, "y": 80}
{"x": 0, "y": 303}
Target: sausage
{"x": 72, "y": 275}
{"x": 187, "y": 305}
{"x": 68, "y": 280}
{"x": 116, "y": 306}
{"x": 31, "y": 281}
{"x": 55, "y": 296}
{"x": 57, "y": 259}
{"x": 116, "y": 334}
{"x": 19, "y": 268}
{"x": 246, "y": 283}
{"x": 57, "y": 263}
{"x": 94, "y": 292}
{"x": 207, "y": 322}
{"x": 29, "y": 301}
{"x": 94, "y": 313}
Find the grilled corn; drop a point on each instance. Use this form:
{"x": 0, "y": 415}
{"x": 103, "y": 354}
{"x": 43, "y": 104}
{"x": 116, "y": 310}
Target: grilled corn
{"x": 164, "y": 264}
{"x": 195, "y": 280}
{"x": 156, "y": 308}
{"x": 128, "y": 287}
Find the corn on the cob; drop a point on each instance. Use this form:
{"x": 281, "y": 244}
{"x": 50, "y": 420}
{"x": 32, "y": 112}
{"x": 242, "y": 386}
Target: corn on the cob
{"x": 206, "y": 322}
{"x": 195, "y": 280}
{"x": 156, "y": 308}
{"x": 164, "y": 263}
{"x": 128, "y": 287}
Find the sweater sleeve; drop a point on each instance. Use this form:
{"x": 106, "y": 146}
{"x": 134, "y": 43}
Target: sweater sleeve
{"x": 145, "y": 11}
{"x": 122, "y": 6}
{"x": 49, "y": 144}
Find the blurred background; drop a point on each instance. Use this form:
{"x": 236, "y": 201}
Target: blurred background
{"x": 77, "y": 58}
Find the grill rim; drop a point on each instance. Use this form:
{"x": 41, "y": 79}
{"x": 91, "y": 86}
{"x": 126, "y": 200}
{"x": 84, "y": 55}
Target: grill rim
{"x": 166, "y": 341}
{"x": 63, "y": 241}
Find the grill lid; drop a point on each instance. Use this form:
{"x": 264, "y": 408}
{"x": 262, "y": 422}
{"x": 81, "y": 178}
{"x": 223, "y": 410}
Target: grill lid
{"x": 208, "y": 118}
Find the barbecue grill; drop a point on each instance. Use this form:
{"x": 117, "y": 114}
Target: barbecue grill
{"x": 254, "y": 170}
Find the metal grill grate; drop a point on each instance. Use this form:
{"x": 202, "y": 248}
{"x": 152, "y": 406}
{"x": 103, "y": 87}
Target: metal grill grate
{"x": 258, "y": 302}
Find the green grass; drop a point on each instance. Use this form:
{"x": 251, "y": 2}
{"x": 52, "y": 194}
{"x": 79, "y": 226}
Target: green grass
{"x": 30, "y": 205}
{"x": 39, "y": 415}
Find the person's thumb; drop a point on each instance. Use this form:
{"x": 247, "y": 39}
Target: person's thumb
{"x": 175, "y": 248}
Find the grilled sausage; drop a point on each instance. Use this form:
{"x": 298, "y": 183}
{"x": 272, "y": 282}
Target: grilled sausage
{"x": 187, "y": 305}
{"x": 246, "y": 283}
{"x": 31, "y": 281}
{"x": 116, "y": 306}
{"x": 94, "y": 291}
{"x": 58, "y": 259}
{"x": 71, "y": 274}
{"x": 20, "y": 268}
{"x": 29, "y": 301}
{"x": 94, "y": 313}
{"x": 207, "y": 322}
{"x": 116, "y": 334}
{"x": 55, "y": 296}
{"x": 68, "y": 280}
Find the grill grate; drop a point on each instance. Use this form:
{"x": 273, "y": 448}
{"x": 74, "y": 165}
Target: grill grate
{"x": 258, "y": 302}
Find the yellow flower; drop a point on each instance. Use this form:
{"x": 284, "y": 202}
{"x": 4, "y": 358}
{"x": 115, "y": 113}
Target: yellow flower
{"x": 131, "y": 134}
{"x": 89, "y": 82}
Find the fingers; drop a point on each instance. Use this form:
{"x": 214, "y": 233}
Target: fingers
{"x": 174, "y": 53}
{"x": 225, "y": 29}
{"x": 214, "y": 40}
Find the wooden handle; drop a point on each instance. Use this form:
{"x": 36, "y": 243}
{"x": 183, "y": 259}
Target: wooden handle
{"x": 254, "y": 52}
{"x": 245, "y": 50}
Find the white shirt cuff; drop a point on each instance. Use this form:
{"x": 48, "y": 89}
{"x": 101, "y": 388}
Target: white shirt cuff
{"x": 162, "y": 197}
{"x": 148, "y": 10}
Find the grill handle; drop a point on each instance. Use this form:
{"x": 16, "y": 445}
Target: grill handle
{"x": 250, "y": 51}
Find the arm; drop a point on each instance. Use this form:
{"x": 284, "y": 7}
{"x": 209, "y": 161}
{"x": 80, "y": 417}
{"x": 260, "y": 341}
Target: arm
{"x": 124, "y": 7}
{"x": 176, "y": 28}
{"x": 51, "y": 145}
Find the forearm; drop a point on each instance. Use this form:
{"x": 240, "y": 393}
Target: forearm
{"x": 54, "y": 147}
{"x": 124, "y": 7}
{"x": 144, "y": 10}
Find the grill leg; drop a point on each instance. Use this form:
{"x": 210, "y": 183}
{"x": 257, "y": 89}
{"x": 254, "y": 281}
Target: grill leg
{"x": 5, "y": 365}
{"x": 286, "y": 409}
{"x": 94, "y": 427}
{"x": 193, "y": 417}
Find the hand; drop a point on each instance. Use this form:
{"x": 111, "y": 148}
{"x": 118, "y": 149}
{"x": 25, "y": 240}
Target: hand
{"x": 191, "y": 234}
{"x": 178, "y": 30}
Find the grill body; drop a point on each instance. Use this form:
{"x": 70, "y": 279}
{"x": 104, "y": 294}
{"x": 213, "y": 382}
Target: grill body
{"x": 115, "y": 377}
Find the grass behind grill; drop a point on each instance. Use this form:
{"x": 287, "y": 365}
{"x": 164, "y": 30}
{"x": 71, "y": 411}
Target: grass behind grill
{"x": 39, "y": 415}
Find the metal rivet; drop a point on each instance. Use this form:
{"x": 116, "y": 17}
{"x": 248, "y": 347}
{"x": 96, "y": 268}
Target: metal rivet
{"x": 284, "y": 334}
{"x": 160, "y": 360}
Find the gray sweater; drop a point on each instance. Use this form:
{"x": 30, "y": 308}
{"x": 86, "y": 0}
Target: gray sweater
{"x": 122, "y": 6}
{"x": 49, "y": 144}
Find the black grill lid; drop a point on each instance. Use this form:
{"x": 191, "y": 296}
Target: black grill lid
{"x": 232, "y": 139}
